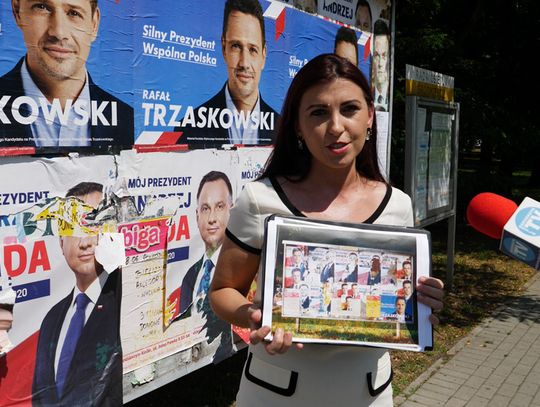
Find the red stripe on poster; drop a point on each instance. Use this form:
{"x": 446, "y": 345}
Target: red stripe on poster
{"x": 168, "y": 137}
{"x": 17, "y": 373}
{"x": 142, "y": 148}
{"x": 10, "y": 151}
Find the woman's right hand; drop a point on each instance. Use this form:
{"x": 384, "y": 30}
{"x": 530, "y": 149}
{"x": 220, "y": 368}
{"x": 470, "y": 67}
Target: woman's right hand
{"x": 281, "y": 341}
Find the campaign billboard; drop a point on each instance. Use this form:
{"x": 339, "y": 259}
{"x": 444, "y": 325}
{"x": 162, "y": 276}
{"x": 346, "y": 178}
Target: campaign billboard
{"x": 131, "y": 232}
{"x": 222, "y": 81}
{"x": 48, "y": 251}
{"x": 66, "y": 75}
{"x": 191, "y": 76}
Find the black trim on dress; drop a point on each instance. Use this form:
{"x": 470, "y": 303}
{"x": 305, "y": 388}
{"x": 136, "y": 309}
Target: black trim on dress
{"x": 382, "y": 387}
{"x": 296, "y": 212}
{"x": 287, "y": 392}
{"x": 241, "y": 244}
{"x": 381, "y": 207}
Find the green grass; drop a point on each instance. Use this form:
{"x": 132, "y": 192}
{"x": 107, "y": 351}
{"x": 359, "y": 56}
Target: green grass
{"x": 333, "y": 329}
{"x": 484, "y": 279}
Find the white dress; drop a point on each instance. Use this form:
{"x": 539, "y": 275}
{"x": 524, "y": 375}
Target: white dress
{"x": 317, "y": 375}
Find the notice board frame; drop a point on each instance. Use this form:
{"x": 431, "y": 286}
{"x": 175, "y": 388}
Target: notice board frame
{"x": 431, "y": 165}
{"x": 419, "y": 161}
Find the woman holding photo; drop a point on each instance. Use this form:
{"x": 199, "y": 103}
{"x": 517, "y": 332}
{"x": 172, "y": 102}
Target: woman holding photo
{"x": 324, "y": 166}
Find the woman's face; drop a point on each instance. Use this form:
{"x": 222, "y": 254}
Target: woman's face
{"x": 333, "y": 119}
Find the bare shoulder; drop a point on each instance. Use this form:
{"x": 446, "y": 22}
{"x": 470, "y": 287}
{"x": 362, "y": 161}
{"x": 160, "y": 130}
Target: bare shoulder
{"x": 377, "y": 187}
{"x": 375, "y": 191}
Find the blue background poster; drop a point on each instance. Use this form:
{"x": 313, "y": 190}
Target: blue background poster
{"x": 179, "y": 64}
{"x": 164, "y": 58}
{"x": 109, "y": 66}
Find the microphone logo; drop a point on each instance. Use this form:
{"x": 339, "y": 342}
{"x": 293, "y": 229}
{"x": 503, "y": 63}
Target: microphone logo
{"x": 528, "y": 221}
{"x": 519, "y": 249}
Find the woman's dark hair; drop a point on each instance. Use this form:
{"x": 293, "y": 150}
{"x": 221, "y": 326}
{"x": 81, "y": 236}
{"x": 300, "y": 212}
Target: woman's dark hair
{"x": 290, "y": 161}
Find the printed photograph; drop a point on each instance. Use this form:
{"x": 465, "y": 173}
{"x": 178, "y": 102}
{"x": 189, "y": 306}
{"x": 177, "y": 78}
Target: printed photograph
{"x": 342, "y": 292}
{"x": 346, "y": 283}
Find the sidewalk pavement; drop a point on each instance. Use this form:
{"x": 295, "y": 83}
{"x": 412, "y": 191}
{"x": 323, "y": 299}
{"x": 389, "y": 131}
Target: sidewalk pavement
{"x": 497, "y": 364}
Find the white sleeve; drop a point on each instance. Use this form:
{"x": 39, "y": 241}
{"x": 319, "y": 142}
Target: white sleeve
{"x": 246, "y": 224}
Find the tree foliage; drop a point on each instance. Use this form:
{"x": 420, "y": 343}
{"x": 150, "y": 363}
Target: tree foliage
{"x": 488, "y": 47}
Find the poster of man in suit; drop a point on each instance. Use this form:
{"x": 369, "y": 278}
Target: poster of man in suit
{"x": 251, "y": 121}
{"x": 79, "y": 355}
{"x": 222, "y": 81}
{"x": 50, "y": 261}
{"x": 49, "y": 99}
{"x": 214, "y": 201}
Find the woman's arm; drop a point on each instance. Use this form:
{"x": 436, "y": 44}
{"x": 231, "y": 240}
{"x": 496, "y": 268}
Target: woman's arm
{"x": 235, "y": 270}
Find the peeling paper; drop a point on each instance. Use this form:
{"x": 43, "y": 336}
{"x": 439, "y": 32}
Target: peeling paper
{"x": 72, "y": 217}
{"x": 59, "y": 217}
{"x": 144, "y": 374}
{"x": 110, "y": 251}
{"x": 161, "y": 206}
{"x": 6, "y": 316}
{"x": 7, "y": 293}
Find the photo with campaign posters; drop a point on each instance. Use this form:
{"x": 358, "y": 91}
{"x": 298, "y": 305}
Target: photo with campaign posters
{"x": 326, "y": 281}
{"x": 346, "y": 283}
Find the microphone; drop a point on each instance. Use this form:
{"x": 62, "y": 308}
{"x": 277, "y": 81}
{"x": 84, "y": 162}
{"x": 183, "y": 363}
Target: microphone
{"x": 488, "y": 213}
{"x": 518, "y": 227}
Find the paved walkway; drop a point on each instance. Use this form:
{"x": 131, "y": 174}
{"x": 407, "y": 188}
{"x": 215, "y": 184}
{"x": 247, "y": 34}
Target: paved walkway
{"x": 497, "y": 364}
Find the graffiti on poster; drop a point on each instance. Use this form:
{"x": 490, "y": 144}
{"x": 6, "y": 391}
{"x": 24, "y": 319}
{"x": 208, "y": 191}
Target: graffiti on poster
{"x": 142, "y": 274}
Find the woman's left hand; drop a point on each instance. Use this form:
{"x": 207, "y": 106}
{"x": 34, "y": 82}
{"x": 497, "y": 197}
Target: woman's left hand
{"x": 431, "y": 293}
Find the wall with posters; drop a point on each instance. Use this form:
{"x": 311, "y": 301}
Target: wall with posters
{"x": 166, "y": 78}
{"x": 78, "y": 88}
{"x": 151, "y": 200}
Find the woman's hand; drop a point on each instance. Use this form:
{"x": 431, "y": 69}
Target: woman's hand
{"x": 281, "y": 341}
{"x": 431, "y": 293}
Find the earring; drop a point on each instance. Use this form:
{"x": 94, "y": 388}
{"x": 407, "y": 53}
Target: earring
{"x": 300, "y": 143}
{"x": 368, "y": 134}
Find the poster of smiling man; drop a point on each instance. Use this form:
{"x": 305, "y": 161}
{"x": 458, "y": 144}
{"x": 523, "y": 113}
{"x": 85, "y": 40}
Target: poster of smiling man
{"x": 223, "y": 81}
{"x": 64, "y": 80}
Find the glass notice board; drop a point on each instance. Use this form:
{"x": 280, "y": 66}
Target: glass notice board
{"x": 431, "y": 159}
